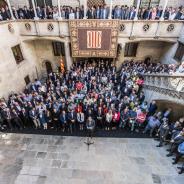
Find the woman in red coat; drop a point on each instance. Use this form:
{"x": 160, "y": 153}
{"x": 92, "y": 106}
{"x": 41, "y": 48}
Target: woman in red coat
{"x": 116, "y": 118}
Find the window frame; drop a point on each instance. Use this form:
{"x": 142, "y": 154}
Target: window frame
{"x": 131, "y": 49}
{"x": 179, "y": 54}
{"x": 17, "y": 52}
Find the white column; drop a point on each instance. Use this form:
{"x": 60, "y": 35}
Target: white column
{"x": 85, "y": 8}
{"x": 110, "y": 12}
{"x": 34, "y": 8}
{"x": 45, "y": 3}
{"x": 68, "y": 57}
{"x": 10, "y": 9}
{"x": 163, "y": 12}
{"x": 137, "y": 9}
{"x": 59, "y": 9}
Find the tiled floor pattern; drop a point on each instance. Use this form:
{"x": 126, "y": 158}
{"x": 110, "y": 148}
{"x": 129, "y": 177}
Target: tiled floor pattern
{"x": 44, "y": 159}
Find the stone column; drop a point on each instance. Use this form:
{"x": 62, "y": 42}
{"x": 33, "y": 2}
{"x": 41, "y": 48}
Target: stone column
{"x": 10, "y": 9}
{"x": 59, "y": 10}
{"x": 68, "y": 57}
{"x": 110, "y": 12}
{"x": 137, "y": 9}
{"x": 85, "y": 8}
{"x": 34, "y": 8}
{"x": 163, "y": 12}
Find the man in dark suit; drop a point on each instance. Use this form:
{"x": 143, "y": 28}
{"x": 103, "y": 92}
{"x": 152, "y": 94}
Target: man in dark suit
{"x": 98, "y": 12}
{"x": 26, "y": 13}
{"x": 132, "y": 13}
{"x": 78, "y": 14}
{"x": 99, "y": 117}
{"x": 104, "y": 13}
{"x": 63, "y": 120}
{"x": 118, "y": 13}
{"x": 72, "y": 117}
{"x": 4, "y": 14}
{"x": 8, "y": 117}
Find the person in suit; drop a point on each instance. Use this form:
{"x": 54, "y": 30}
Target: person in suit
{"x": 98, "y": 12}
{"x": 42, "y": 118}
{"x": 90, "y": 126}
{"x": 25, "y": 117}
{"x": 118, "y": 13}
{"x": 16, "y": 119}
{"x": 99, "y": 117}
{"x": 132, "y": 13}
{"x": 89, "y": 13}
{"x": 39, "y": 12}
{"x": 104, "y": 12}
{"x": 4, "y": 14}
{"x": 63, "y": 120}
{"x": 80, "y": 120}
{"x": 78, "y": 14}
{"x": 33, "y": 114}
{"x": 72, "y": 117}
{"x": 177, "y": 138}
{"x": 55, "y": 119}
{"x": 26, "y": 13}
{"x": 8, "y": 117}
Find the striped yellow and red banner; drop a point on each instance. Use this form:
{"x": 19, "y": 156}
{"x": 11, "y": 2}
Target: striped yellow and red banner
{"x": 62, "y": 66}
{"x": 94, "y": 39}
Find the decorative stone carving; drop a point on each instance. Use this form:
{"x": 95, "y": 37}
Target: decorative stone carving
{"x": 146, "y": 27}
{"x": 10, "y": 28}
{"x": 50, "y": 27}
{"x": 27, "y": 26}
{"x": 170, "y": 27}
{"x": 121, "y": 27}
{"x": 168, "y": 85}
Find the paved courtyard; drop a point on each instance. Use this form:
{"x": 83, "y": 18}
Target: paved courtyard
{"x": 44, "y": 159}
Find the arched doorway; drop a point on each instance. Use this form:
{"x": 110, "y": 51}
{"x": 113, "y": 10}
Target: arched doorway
{"x": 48, "y": 67}
{"x": 3, "y": 3}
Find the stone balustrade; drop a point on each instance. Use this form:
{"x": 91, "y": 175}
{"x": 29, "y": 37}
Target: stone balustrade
{"x": 168, "y": 85}
{"x": 134, "y": 30}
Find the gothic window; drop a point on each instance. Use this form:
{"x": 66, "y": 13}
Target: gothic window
{"x": 179, "y": 52}
{"x": 58, "y": 48}
{"x": 131, "y": 49}
{"x": 17, "y": 54}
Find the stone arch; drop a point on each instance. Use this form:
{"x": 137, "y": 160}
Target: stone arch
{"x": 177, "y": 111}
{"x": 47, "y": 66}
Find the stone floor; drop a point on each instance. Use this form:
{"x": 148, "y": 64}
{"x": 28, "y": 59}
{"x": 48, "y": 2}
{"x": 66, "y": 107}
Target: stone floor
{"x": 44, "y": 159}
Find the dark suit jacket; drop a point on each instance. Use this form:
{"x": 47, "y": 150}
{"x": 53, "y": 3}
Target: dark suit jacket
{"x": 63, "y": 119}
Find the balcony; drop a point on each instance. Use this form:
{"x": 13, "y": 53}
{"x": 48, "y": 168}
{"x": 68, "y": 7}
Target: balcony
{"x": 134, "y": 30}
{"x": 164, "y": 86}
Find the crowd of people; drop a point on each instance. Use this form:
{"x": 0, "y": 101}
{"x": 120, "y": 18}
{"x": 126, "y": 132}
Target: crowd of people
{"x": 148, "y": 67}
{"x": 93, "y": 96}
{"x": 123, "y": 12}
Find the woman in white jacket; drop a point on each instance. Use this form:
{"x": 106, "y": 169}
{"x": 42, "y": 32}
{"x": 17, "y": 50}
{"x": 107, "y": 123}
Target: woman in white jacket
{"x": 108, "y": 119}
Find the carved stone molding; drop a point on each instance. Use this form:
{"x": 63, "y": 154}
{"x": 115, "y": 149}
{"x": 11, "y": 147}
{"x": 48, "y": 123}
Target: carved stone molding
{"x": 28, "y": 26}
{"x": 146, "y": 27}
{"x": 170, "y": 27}
{"x": 10, "y": 28}
{"x": 50, "y": 27}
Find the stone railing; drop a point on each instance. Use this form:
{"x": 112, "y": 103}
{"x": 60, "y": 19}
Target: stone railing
{"x": 171, "y": 85}
{"x": 134, "y": 30}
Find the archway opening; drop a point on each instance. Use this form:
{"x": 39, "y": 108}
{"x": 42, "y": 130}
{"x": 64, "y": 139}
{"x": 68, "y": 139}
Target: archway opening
{"x": 48, "y": 67}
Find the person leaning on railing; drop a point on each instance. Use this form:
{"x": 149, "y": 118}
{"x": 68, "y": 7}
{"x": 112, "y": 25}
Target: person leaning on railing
{"x": 122, "y": 12}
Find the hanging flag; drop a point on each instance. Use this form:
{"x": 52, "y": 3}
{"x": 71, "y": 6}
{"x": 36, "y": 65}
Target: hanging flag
{"x": 62, "y": 66}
